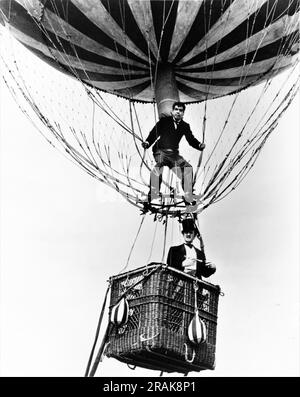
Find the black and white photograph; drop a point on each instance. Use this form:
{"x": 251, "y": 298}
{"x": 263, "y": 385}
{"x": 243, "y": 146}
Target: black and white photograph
{"x": 149, "y": 202}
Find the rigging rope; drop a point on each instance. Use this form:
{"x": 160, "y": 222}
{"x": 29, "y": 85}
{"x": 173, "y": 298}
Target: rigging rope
{"x": 165, "y": 239}
{"x": 133, "y": 245}
{"x": 96, "y": 335}
{"x": 111, "y": 159}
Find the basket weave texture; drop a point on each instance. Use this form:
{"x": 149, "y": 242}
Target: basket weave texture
{"x": 161, "y": 307}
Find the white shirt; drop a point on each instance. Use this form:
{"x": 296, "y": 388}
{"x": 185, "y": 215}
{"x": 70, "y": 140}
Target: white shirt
{"x": 189, "y": 264}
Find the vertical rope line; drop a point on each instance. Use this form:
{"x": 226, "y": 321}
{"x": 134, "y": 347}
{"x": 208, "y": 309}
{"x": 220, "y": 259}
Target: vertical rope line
{"x": 200, "y": 238}
{"x": 97, "y": 334}
{"x": 165, "y": 239}
{"x": 98, "y": 358}
{"x": 153, "y": 240}
{"x": 133, "y": 245}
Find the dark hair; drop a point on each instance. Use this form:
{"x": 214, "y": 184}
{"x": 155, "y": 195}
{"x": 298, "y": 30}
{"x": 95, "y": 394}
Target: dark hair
{"x": 189, "y": 231}
{"x": 179, "y": 104}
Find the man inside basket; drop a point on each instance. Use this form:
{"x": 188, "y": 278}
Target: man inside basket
{"x": 186, "y": 257}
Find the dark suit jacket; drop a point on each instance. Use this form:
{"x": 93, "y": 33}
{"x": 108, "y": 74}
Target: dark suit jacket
{"x": 177, "y": 255}
{"x": 169, "y": 137}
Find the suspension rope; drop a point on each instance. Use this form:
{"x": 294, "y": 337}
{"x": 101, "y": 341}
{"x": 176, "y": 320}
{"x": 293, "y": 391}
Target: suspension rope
{"x": 101, "y": 349}
{"x": 133, "y": 245}
{"x": 107, "y": 157}
{"x": 97, "y": 334}
{"x": 152, "y": 243}
{"x": 165, "y": 239}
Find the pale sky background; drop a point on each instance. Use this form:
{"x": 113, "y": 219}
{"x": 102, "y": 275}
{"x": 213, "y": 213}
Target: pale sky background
{"x": 60, "y": 242}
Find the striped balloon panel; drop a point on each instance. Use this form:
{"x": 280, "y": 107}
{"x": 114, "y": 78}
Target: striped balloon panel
{"x": 216, "y": 47}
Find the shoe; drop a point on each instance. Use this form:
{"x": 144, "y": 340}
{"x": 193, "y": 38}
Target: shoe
{"x": 192, "y": 199}
{"x": 146, "y": 207}
{"x": 191, "y": 203}
{"x": 188, "y": 198}
{"x": 145, "y": 198}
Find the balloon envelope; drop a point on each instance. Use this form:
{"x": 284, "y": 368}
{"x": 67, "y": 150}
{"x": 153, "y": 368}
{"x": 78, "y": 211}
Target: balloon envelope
{"x": 207, "y": 48}
{"x": 214, "y": 48}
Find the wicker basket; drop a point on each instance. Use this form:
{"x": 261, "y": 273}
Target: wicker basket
{"x": 161, "y": 307}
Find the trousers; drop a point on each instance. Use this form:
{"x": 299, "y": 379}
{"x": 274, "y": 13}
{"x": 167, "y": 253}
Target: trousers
{"x": 182, "y": 169}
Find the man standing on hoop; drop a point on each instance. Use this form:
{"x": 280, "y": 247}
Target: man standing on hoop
{"x": 166, "y": 136}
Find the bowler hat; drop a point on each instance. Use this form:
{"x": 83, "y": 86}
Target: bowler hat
{"x": 188, "y": 225}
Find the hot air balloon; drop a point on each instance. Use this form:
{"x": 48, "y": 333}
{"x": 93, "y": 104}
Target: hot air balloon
{"x": 128, "y": 56}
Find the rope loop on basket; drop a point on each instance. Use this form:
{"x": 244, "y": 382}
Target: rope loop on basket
{"x": 146, "y": 274}
{"x": 127, "y": 282}
{"x": 146, "y": 271}
{"x": 144, "y": 339}
{"x": 186, "y": 354}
